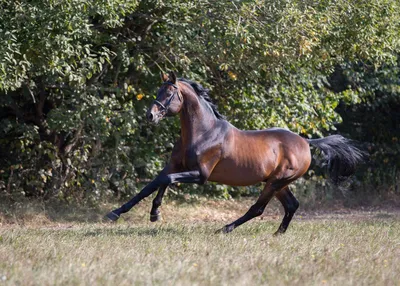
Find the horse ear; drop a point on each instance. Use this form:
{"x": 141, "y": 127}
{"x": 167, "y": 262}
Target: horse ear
{"x": 164, "y": 77}
{"x": 172, "y": 77}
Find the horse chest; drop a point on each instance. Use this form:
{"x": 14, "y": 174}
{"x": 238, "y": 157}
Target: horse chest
{"x": 191, "y": 158}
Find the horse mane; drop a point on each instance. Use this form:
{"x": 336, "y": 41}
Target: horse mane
{"x": 203, "y": 93}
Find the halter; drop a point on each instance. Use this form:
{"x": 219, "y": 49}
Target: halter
{"x": 168, "y": 103}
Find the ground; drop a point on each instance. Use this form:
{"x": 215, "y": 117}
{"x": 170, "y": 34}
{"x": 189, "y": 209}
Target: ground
{"x": 42, "y": 245}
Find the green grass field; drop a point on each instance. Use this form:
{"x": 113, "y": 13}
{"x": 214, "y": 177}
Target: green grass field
{"x": 356, "y": 248}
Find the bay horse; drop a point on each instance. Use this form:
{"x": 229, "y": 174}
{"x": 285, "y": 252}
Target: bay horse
{"x": 212, "y": 149}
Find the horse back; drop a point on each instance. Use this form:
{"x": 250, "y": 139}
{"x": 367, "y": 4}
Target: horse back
{"x": 249, "y": 157}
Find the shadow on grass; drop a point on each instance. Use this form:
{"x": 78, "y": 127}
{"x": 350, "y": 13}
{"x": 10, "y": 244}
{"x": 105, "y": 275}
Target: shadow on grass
{"x": 26, "y": 210}
{"x": 137, "y": 231}
{"x": 23, "y": 211}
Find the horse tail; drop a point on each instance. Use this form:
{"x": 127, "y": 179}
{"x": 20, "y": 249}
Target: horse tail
{"x": 341, "y": 156}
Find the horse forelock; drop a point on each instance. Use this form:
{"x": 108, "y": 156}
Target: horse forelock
{"x": 204, "y": 94}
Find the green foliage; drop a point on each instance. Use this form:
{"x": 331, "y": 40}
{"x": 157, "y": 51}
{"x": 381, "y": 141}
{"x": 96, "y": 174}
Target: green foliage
{"x": 76, "y": 77}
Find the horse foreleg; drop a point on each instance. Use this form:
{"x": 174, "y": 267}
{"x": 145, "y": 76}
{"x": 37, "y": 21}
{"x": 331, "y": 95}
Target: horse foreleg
{"x": 255, "y": 210}
{"x": 162, "y": 179}
{"x": 155, "y": 212}
{"x": 290, "y": 205}
{"x": 184, "y": 177}
{"x": 145, "y": 192}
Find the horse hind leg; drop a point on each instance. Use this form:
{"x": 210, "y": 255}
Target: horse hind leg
{"x": 290, "y": 205}
{"x": 255, "y": 210}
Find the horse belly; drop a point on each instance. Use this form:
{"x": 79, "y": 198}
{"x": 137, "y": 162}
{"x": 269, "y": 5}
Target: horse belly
{"x": 228, "y": 172}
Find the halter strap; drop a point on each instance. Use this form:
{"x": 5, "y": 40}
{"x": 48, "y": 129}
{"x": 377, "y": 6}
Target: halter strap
{"x": 160, "y": 104}
{"x": 176, "y": 86}
{"x": 170, "y": 83}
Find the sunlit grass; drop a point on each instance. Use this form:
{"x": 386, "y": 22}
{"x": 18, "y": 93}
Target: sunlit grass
{"x": 312, "y": 252}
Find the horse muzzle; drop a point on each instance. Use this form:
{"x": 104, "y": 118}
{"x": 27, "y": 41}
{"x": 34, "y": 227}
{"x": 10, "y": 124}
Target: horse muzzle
{"x": 154, "y": 117}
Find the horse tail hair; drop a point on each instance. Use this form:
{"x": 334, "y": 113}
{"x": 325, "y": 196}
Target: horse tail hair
{"x": 341, "y": 156}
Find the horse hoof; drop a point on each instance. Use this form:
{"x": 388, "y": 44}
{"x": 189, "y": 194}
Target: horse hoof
{"x": 225, "y": 229}
{"x": 278, "y": 233}
{"x": 221, "y": 230}
{"x": 112, "y": 216}
{"x": 155, "y": 217}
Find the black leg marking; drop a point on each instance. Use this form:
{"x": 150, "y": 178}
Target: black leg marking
{"x": 255, "y": 210}
{"x": 185, "y": 177}
{"x": 162, "y": 179}
{"x": 155, "y": 212}
{"x": 148, "y": 190}
{"x": 290, "y": 204}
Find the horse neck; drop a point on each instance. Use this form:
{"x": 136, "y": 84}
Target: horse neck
{"x": 196, "y": 118}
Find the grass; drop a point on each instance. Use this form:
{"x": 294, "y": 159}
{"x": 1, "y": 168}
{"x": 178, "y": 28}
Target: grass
{"x": 353, "y": 248}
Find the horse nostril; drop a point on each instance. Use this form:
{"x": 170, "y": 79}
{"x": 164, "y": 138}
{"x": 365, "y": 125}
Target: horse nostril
{"x": 150, "y": 116}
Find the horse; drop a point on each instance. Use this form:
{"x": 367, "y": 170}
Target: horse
{"x": 211, "y": 149}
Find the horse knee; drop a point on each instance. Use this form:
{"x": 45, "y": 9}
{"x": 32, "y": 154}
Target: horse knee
{"x": 165, "y": 179}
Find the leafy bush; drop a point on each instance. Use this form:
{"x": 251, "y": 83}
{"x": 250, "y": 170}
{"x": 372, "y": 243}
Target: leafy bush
{"x": 76, "y": 77}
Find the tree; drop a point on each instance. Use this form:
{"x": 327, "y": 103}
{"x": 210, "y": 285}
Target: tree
{"x": 76, "y": 77}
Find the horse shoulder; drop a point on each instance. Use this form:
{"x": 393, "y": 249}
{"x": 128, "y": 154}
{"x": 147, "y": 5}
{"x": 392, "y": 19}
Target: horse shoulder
{"x": 204, "y": 151}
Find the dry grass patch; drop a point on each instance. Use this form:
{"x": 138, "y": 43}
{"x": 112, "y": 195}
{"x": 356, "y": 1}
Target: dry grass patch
{"x": 356, "y": 249}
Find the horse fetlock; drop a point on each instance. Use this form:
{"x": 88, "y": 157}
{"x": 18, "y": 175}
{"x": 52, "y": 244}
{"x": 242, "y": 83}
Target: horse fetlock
{"x": 155, "y": 215}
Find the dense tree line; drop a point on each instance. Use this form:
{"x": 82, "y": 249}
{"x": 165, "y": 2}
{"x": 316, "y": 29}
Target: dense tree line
{"x": 76, "y": 77}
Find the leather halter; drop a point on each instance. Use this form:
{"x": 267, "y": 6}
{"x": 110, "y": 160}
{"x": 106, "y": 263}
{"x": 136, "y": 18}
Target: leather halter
{"x": 168, "y": 103}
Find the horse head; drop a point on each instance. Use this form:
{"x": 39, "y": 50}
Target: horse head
{"x": 169, "y": 99}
